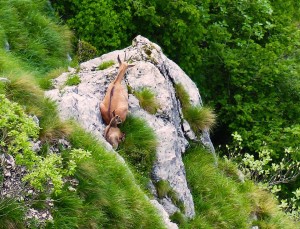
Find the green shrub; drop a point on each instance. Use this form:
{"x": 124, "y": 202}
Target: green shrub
{"x": 85, "y": 51}
{"x": 139, "y": 147}
{"x": 106, "y": 64}
{"x": 147, "y": 100}
{"x": 73, "y": 80}
{"x": 12, "y": 214}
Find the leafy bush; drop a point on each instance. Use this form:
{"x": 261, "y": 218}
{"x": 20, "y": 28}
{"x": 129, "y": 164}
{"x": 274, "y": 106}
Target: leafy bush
{"x": 268, "y": 173}
{"x": 16, "y": 128}
{"x": 85, "y": 51}
{"x": 106, "y": 64}
{"x": 73, "y": 80}
{"x": 147, "y": 100}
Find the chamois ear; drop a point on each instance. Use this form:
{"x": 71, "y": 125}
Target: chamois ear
{"x": 130, "y": 65}
{"x": 119, "y": 59}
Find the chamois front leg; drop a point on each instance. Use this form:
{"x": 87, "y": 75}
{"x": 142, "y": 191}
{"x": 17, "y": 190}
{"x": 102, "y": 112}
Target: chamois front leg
{"x": 104, "y": 113}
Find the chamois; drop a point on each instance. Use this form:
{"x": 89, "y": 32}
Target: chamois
{"x": 112, "y": 132}
{"x": 116, "y": 97}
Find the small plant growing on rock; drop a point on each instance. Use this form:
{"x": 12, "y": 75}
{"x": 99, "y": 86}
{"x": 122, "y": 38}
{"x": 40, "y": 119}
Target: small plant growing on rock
{"x": 164, "y": 189}
{"x": 147, "y": 100}
{"x": 86, "y": 51}
{"x": 73, "y": 80}
{"x": 199, "y": 117}
{"x": 106, "y": 64}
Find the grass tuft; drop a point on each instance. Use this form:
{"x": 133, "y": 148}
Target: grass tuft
{"x": 182, "y": 95}
{"x": 139, "y": 147}
{"x": 178, "y": 218}
{"x": 200, "y": 118}
{"x": 24, "y": 90}
{"x": 52, "y": 127}
{"x": 45, "y": 82}
{"x": 106, "y": 64}
{"x": 164, "y": 189}
{"x": 11, "y": 214}
{"x": 147, "y": 100}
{"x": 73, "y": 80}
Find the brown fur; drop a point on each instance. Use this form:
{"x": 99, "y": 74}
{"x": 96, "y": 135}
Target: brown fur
{"x": 116, "y": 98}
{"x": 112, "y": 132}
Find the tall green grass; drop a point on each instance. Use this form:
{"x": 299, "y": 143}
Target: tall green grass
{"x": 12, "y": 214}
{"x": 33, "y": 33}
{"x": 107, "y": 195}
{"x": 223, "y": 202}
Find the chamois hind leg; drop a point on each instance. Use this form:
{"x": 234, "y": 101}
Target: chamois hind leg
{"x": 104, "y": 113}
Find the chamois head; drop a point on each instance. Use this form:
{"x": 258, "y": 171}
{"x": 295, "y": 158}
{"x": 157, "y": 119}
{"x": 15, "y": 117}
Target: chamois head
{"x": 116, "y": 120}
{"x": 123, "y": 66}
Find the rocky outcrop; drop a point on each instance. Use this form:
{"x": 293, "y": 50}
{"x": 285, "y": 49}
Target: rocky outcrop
{"x": 156, "y": 72}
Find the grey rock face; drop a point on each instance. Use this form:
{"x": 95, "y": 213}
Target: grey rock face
{"x": 156, "y": 72}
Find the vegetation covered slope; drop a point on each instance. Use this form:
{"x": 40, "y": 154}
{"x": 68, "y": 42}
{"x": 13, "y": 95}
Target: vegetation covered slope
{"x": 107, "y": 195}
{"x": 33, "y": 44}
{"x": 243, "y": 55}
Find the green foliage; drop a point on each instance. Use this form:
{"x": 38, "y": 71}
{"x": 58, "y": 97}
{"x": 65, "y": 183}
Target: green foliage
{"x": 147, "y": 100}
{"x": 110, "y": 198}
{"x": 73, "y": 80}
{"x": 219, "y": 198}
{"x": 139, "y": 147}
{"x": 16, "y": 128}
{"x": 12, "y": 214}
{"x": 106, "y": 64}
{"x": 268, "y": 173}
{"x": 85, "y": 51}
{"x": 101, "y": 23}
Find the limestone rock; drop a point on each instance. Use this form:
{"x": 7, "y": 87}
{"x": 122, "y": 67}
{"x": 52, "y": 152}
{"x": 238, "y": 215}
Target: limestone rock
{"x": 156, "y": 72}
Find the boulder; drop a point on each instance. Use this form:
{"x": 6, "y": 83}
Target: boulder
{"x": 156, "y": 72}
